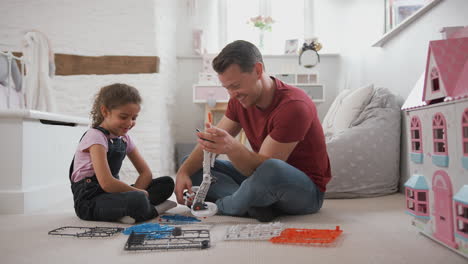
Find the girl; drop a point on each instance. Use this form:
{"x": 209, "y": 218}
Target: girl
{"x": 98, "y": 193}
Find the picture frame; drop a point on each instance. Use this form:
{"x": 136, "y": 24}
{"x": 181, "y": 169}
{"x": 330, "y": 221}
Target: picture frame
{"x": 397, "y": 11}
{"x": 291, "y": 46}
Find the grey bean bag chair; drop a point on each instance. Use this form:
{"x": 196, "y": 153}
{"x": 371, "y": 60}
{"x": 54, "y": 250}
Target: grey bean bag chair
{"x": 365, "y": 158}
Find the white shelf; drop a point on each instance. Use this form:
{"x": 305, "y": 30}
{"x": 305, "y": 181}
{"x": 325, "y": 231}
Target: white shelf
{"x": 392, "y": 33}
{"x": 266, "y": 56}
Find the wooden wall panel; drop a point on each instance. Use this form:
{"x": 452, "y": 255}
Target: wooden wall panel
{"x": 67, "y": 64}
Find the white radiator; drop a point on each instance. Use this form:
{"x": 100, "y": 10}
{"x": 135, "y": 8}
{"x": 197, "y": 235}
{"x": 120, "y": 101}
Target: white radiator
{"x": 36, "y": 149}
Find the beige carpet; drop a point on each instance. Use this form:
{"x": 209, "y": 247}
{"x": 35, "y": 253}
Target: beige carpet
{"x": 376, "y": 230}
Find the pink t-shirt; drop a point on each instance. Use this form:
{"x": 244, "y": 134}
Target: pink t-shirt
{"x": 83, "y": 167}
{"x": 290, "y": 117}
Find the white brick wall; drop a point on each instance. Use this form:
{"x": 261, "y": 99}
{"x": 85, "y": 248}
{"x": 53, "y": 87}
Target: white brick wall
{"x": 108, "y": 27}
{"x": 166, "y": 14}
{"x": 86, "y": 27}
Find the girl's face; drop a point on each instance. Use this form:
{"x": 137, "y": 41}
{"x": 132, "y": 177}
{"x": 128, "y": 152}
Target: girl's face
{"x": 120, "y": 119}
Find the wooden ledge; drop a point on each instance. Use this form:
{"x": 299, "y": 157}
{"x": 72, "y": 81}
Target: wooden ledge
{"x": 67, "y": 64}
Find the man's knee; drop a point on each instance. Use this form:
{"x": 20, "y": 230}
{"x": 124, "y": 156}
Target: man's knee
{"x": 269, "y": 168}
{"x": 272, "y": 164}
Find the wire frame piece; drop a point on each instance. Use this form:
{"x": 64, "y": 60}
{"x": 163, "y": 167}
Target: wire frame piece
{"x": 254, "y": 232}
{"x": 78, "y": 231}
{"x": 167, "y": 240}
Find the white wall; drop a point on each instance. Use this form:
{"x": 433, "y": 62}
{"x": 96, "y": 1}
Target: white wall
{"x": 108, "y": 27}
{"x": 349, "y": 27}
{"x": 352, "y": 26}
{"x": 404, "y": 56}
{"x": 193, "y": 15}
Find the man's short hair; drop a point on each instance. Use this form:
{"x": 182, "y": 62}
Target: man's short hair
{"x": 240, "y": 52}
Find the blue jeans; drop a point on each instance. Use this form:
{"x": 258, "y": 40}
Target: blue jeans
{"x": 274, "y": 183}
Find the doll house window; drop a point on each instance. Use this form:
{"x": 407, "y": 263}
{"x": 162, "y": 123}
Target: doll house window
{"x": 465, "y": 132}
{"x": 422, "y": 196}
{"x": 422, "y": 208}
{"x": 416, "y": 140}
{"x": 462, "y": 219}
{"x": 435, "y": 80}
{"x": 417, "y": 202}
{"x": 410, "y": 199}
{"x": 439, "y": 132}
{"x": 409, "y": 193}
{"x": 410, "y": 204}
{"x": 422, "y": 203}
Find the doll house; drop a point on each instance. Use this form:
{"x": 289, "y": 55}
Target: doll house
{"x": 437, "y": 111}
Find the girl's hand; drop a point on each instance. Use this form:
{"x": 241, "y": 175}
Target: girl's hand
{"x": 183, "y": 182}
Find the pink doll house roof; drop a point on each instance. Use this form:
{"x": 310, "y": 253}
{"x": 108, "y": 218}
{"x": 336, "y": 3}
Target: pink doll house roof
{"x": 451, "y": 58}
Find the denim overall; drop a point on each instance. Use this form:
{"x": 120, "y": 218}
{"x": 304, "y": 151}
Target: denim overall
{"x": 93, "y": 203}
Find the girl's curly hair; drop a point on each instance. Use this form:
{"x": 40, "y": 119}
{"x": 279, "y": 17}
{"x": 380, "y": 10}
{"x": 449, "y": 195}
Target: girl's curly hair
{"x": 113, "y": 96}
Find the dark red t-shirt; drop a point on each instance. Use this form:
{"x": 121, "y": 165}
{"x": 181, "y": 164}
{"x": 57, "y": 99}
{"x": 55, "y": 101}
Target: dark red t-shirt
{"x": 291, "y": 117}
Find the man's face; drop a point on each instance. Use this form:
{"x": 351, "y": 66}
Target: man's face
{"x": 242, "y": 86}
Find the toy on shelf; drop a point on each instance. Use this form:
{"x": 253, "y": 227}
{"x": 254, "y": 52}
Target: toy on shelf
{"x": 81, "y": 231}
{"x": 313, "y": 237}
{"x": 201, "y": 208}
{"x": 254, "y": 232}
{"x": 437, "y": 117}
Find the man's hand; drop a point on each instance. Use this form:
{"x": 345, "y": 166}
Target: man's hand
{"x": 216, "y": 140}
{"x": 183, "y": 182}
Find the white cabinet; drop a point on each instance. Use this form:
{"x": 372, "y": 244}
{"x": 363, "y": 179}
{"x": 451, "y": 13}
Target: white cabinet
{"x": 36, "y": 152}
{"x": 314, "y": 91}
{"x": 305, "y": 81}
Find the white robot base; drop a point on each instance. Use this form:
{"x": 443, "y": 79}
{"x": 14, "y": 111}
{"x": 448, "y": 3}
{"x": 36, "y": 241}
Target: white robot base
{"x": 209, "y": 209}
{"x": 204, "y": 209}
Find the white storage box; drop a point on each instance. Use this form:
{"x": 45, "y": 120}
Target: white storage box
{"x": 36, "y": 152}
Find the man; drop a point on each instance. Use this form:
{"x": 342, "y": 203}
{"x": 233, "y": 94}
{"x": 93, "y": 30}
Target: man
{"x": 288, "y": 169}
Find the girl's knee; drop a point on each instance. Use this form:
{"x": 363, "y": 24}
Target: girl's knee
{"x": 167, "y": 183}
{"x": 137, "y": 200}
{"x": 161, "y": 189}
